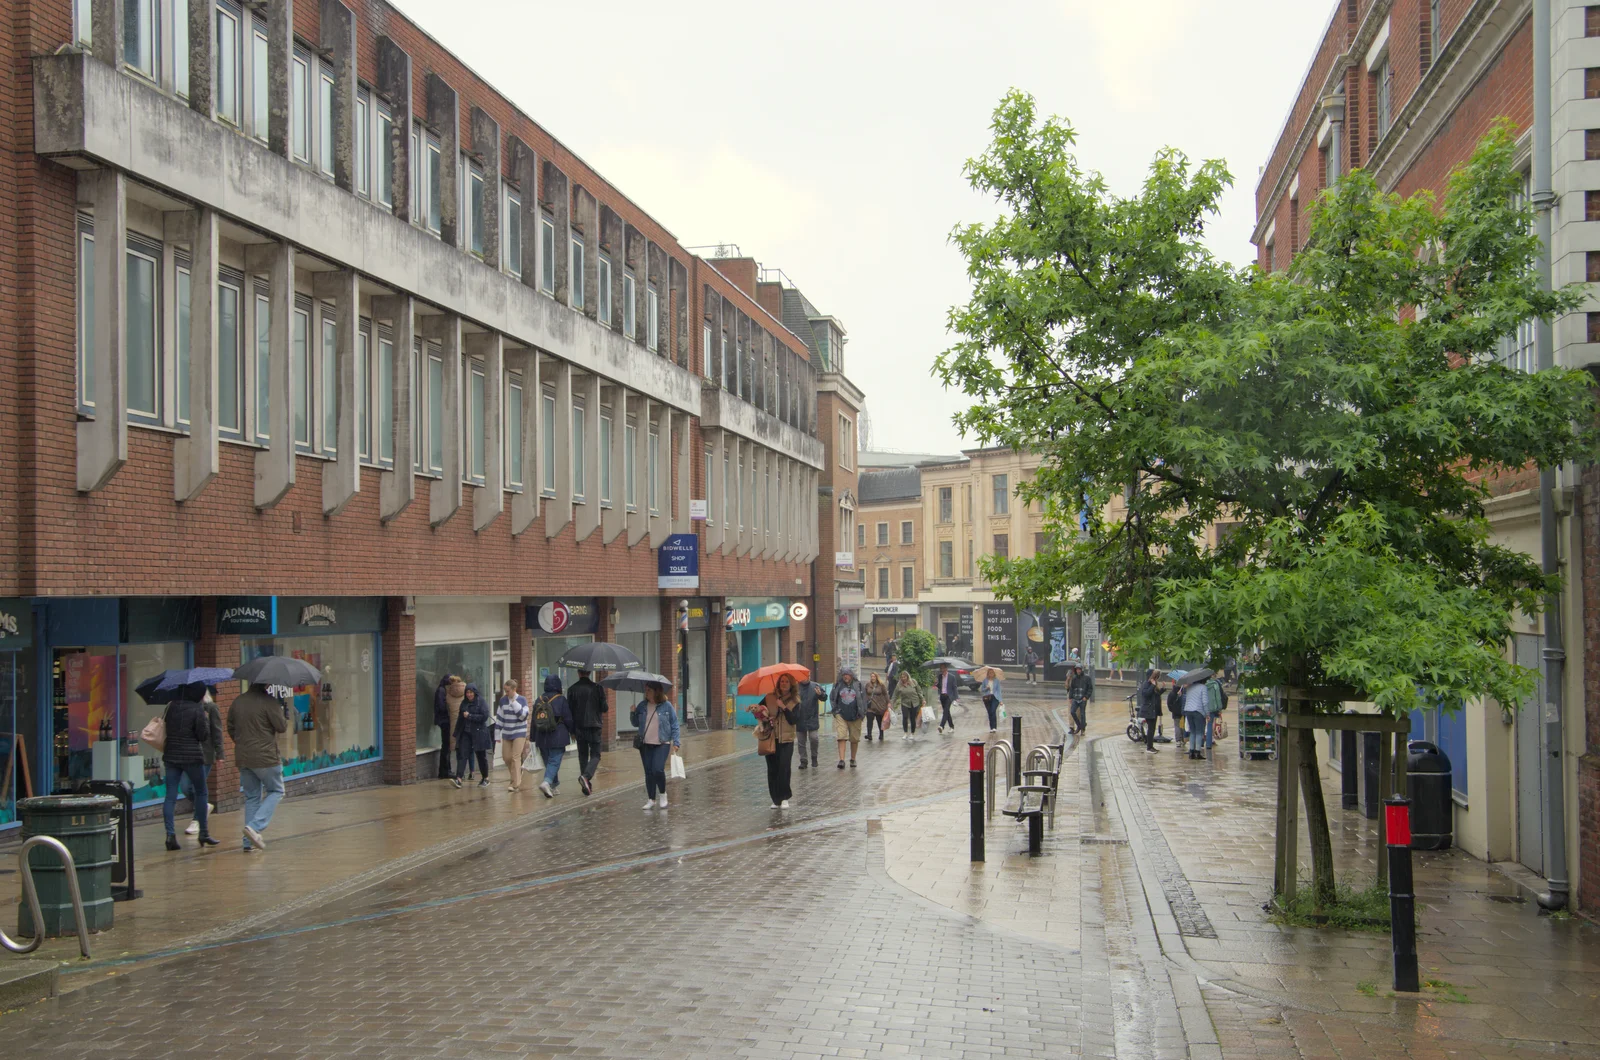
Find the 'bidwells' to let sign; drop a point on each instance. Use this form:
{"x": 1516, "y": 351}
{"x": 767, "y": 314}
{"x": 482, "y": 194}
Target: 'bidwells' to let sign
{"x": 678, "y": 562}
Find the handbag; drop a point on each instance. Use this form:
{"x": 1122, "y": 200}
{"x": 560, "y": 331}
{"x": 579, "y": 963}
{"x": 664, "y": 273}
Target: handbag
{"x": 675, "y": 770}
{"x": 1219, "y": 729}
{"x": 155, "y": 732}
{"x": 766, "y": 740}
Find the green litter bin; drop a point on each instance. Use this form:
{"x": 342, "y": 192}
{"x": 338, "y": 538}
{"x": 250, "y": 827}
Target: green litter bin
{"x": 84, "y": 824}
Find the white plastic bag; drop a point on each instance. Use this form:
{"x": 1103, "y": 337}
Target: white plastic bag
{"x": 1001, "y": 713}
{"x": 530, "y": 759}
{"x": 675, "y": 770}
{"x": 927, "y": 715}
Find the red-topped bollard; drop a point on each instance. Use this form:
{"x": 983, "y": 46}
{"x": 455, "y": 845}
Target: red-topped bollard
{"x": 975, "y": 752}
{"x": 1402, "y": 902}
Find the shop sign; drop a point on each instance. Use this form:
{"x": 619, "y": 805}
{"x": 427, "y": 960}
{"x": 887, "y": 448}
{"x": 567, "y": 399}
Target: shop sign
{"x": 16, "y": 625}
{"x": 678, "y": 562}
{"x": 844, "y": 560}
{"x": 563, "y": 618}
{"x": 757, "y": 614}
{"x": 697, "y": 510}
{"x": 891, "y": 609}
{"x": 348, "y": 614}
{"x": 1000, "y": 635}
{"x": 319, "y": 615}
{"x": 797, "y": 611}
{"x": 247, "y": 615}
{"x": 698, "y": 615}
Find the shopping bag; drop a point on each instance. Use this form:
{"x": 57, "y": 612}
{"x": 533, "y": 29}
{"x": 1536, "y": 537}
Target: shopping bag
{"x": 155, "y": 733}
{"x": 675, "y": 770}
{"x": 927, "y": 715}
{"x": 530, "y": 759}
{"x": 1001, "y": 713}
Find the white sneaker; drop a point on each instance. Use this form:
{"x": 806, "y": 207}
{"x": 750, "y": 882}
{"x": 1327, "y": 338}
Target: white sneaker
{"x": 784, "y": 804}
{"x": 663, "y": 802}
{"x": 775, "y": 806}
{"x": 193, "y": 829}
{"x": 254, "y": 837}
{"x": 544, "y": 786}
{"x": 649, "y": 804}
{"x": 211, "y": 807}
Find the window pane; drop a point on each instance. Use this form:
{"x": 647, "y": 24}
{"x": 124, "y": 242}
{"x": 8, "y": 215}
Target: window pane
{"x": 436, "y": 413}
{"x": 144, "y": 370}
{"x": 301, "y": 366}
{"x": 385, "y": 158}
{"x": 475, "y": 222}
{"x": 514, "y": 433}
{"x": 363, "y": 396}
{"x": 386, "y": 401}
{"x": 227, "y": 88}
{"x": 603, "y": 295}
{"x": 580, "y": 476}
{"x": 181, "y": 305}
{"x": 653, "y": 468}
{"x": 330, "y": 386}
{"x": 230, "y": 411}
{"x": 83, "y": 16}
{"x": 86, "y": 319}
{"x": 513, "y": 240}
{"x": 907, "y": 589}
{"x": 575, "y": 275}
{"x": 362, "y": 137}
{"x": 300, "y": 108}
{"x": 263, "y": 367}
{"x": 630, "y": 437}
{"x": 258, "y": 92}
{"x": 547, "y": 256}
{"x": 138, "y": 35}
{"x": 629, "y": 308}
{"x": 180, "y": 49}
{"x": 652, "y": 325}
{"x": 547, "y": 439}
{"x": 435, "y": 221}
{"x": 605, "y": 459}
{"x": 475, "y": 401}
{"x": 325, "y": 111}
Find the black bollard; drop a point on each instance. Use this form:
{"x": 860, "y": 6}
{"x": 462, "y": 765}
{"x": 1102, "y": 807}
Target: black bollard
{"x": 1016, "y": 749}
{"x": 1402, "y": 902}
{"x": 975, "y": 751}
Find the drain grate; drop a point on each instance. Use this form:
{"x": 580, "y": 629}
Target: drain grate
{"x": 1105, "y": 840}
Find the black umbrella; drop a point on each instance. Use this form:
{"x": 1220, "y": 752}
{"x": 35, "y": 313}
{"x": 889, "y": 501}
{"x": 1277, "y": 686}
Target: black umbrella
{"x": 599, "y": 655}
{"x": 635, "y": 680}
{"x": 1196, "y": 676}
{"x": 283, "y": 670}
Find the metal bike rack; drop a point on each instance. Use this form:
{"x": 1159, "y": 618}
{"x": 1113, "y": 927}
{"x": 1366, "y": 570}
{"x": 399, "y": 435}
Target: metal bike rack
{"x": 1000, "y": 748}
{"x": 1048, "y": 758}
{"x": 32, "y": 894}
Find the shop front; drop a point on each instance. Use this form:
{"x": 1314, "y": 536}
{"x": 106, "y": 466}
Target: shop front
{"x": 886, "y": 622}
{"x": 694, "y": 620}
{"x": 847, "y": 635}
{"x": 336, "y": 723}
{"x": 464, "y": 636}
{"x": 19, "y": 708}
{"x": 752, "y": 625}
{"x": 636, "y": 625}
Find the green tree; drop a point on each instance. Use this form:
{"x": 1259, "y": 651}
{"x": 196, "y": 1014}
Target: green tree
{"x": 1339, "y": 420}
{"x": 917, "y": 646}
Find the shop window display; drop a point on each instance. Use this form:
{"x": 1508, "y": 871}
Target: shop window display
{"x": 98, "y": 715}
{"x": 469, "y": 661}
{"x": 334, "y": 723}
{"x": 17, "y": 715}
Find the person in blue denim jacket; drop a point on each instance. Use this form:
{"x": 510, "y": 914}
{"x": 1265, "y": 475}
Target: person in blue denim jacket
{"x": 656, "y": 722}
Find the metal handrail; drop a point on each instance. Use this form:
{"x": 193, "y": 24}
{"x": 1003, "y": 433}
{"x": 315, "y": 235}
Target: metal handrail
{"x": 1002, "y": 748}
{"x": 32, "y": 893}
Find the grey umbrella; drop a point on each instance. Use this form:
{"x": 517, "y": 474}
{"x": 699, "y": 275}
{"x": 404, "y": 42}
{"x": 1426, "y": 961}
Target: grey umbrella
{"x": 1196, "y": 676}
{"x": 634, "y": 680}
{"x": 279, "y": 670}
{"x": 599, "y": 655}
{"x": 950, "y": 661}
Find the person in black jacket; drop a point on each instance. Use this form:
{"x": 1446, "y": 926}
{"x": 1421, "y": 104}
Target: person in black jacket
{"x": 587, "y": 702}
{"x": 1149, "y": 702}
{"x": 188, "y": 730}
{"x": 1175, "y": 708}
{"x": 213, "y": 752}
{"x": 474, "y": 736}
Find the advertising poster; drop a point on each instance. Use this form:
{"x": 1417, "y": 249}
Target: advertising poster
{"x": 1055, "y": 643}
{"x": 1000, "y": 635}
{"x": 91, "y": 685}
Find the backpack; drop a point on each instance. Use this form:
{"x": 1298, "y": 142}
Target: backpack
{"x": 544, "y": 715}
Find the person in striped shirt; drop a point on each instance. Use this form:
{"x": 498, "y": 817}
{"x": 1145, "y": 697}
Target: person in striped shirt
{"x": 511, "y": 714}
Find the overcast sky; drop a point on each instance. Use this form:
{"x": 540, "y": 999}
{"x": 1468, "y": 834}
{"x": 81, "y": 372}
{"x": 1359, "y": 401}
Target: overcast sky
{"x": 826, "y": 138}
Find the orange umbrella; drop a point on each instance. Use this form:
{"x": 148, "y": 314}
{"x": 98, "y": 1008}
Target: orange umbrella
{"x": 760, "y": 682}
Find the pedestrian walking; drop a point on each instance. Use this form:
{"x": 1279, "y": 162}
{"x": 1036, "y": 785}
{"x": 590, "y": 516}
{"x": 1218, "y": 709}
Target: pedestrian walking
{"x": 909, "y": 698}
{"x": 808, "y": 719}
{"x": 511, "y": 714}
{"x": 1149, "y": 705}
{"x": 587, "y": 702}
{"x": 1033, "y": 665}
{"x": 877, "y": 707}
{"x": 188, "y": 730}
{"x": 1196, "y": 718}
{"x": 655, "y": 725}
{"x": 890, "y": 650}
{"x": 212, "y": 749}
{"x": 777, "y": 712}
{"x": 847, "y": 710}
{"x": 551, "y": 722}
{"x": 1080, "y": 690}
{"x": 992, "y": 700}
{"x": 447, "y": 715}
{"x": 474, "y": 734}
{"x": 947, "y": 686}
{"x": 1216, "y": 703}
{"x": 255, "y": 721}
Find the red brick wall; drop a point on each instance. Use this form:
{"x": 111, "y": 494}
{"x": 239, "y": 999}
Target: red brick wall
{"x": 399, "y": 695}
{"x": 220, "y": 649}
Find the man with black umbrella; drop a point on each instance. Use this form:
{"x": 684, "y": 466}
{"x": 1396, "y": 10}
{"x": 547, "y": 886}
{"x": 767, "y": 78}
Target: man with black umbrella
{"x": 587, "y": 701}
{"x": 255, "y": 721}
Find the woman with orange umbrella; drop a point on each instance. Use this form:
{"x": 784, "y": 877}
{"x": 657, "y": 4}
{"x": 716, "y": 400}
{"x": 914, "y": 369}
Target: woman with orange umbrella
{"x": 776, "y": 713}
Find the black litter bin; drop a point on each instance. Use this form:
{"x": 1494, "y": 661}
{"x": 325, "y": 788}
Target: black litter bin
{"x": 84, "y": 824}
{"x": 1433, "y": 812}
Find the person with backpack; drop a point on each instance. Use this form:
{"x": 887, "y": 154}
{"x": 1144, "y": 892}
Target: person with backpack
{"x": 511, "y": 714}
{"x": 655, "y": 724}
{"x": 474, "y": 734}
{"x": 1080, "y": 690}
{"x": 587, "y": 701}
{"x": 552, "y": 731}
{"x": 1216, "y": 703}
{"x": 847, "y": 711}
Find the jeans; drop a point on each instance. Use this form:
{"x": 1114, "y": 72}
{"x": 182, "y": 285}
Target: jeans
{"x": 588, "y": 751}
{"x": 778, "y": 775}
{"x": 263, "y": 790}
{"x": 1080, "y": 714}
{"x": 945, "y": 720}
{"x": 801, "y": 739}
{"x": 991, "y": 706}
{"x": 186, "y": 788}
{"x": 196, "y": 772}
{"x": 1195, "y": 722}
{"x": 512, "y": 751}
{"x": 653, "y": 756}
{"x": 552, "y": 765}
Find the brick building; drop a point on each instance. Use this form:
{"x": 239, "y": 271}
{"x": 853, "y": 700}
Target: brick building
{"x": 1405, "y": 89}
{"x": 322, "y": 346}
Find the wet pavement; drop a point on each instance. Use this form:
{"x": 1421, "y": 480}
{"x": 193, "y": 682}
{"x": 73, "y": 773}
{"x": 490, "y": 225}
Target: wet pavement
{"x": 852, "y": 924}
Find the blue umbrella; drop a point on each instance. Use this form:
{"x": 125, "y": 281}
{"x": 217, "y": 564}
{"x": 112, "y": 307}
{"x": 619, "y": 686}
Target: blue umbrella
{"x": 168, "y": 685}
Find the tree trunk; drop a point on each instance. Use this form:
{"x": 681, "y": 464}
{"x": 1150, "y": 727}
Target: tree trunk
{"x": 1322, "y": 883}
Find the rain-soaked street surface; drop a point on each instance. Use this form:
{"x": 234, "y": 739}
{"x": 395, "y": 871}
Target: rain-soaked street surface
{"x": 852, "y": 924}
